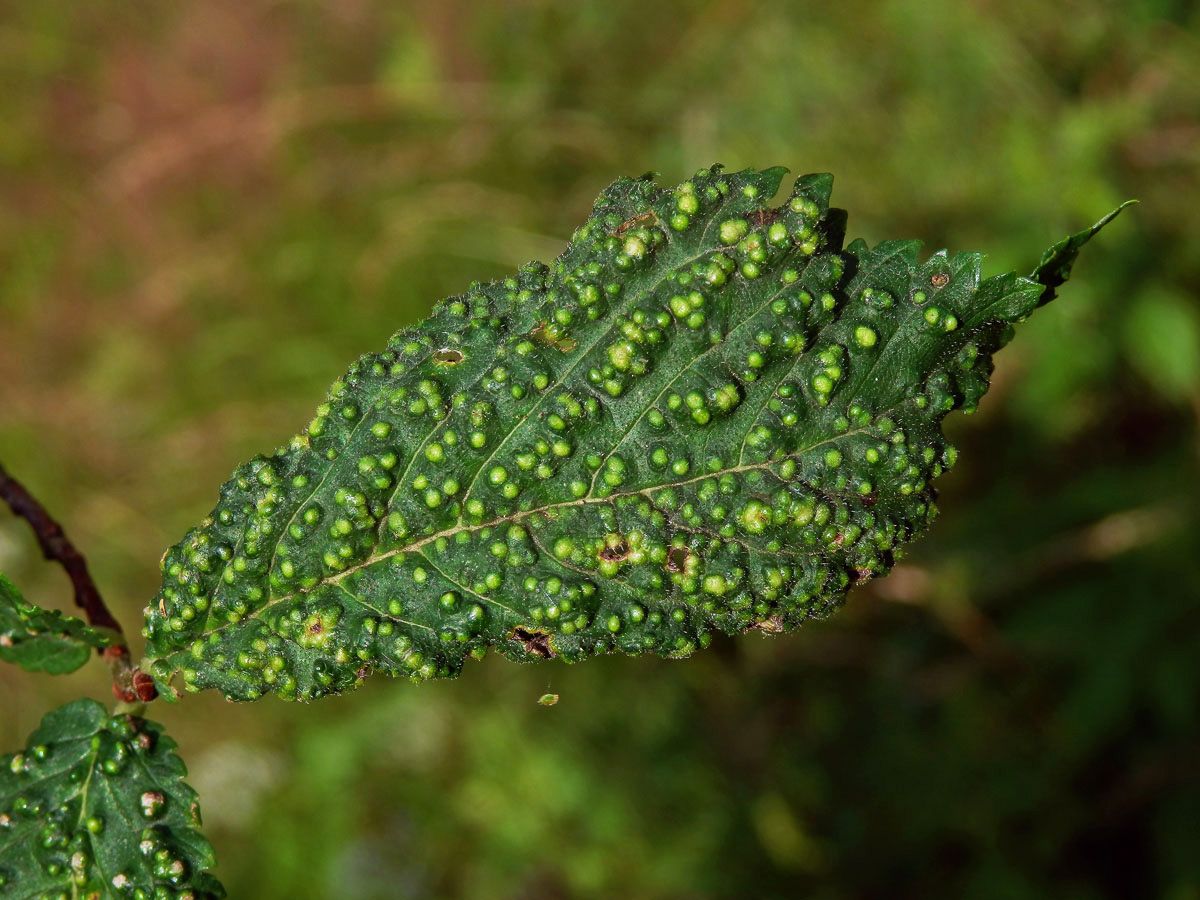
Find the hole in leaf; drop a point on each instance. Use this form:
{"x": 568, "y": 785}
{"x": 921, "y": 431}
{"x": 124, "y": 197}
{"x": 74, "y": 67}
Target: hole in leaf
{"x": 677, "y": 559}
{"x": 615, "y": 553}
{"x": 448, "y": 356}
{"x": 535, "y": 642}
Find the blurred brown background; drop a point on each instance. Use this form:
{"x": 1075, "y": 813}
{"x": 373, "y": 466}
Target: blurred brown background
{"x": 208, "y": 209}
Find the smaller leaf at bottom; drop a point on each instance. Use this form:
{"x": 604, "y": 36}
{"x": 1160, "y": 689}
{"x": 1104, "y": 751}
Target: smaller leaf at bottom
{"x": 96, "y": 807}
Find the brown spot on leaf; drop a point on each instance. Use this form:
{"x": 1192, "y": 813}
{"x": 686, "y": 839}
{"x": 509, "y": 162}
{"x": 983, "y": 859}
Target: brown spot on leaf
{"x": 563, "y": 345}
{"x": 763, "y": 217}
{"x": 771, "y": 625}
{"x": 940, "y": 280}
{"x": 646, "y": 218}
{"x": 861, "y": 575}
{"x": 535, "y": 642}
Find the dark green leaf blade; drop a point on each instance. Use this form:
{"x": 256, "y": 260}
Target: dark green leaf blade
{"x": 705, "y": 416}
{"x": 44, "y": 640}
{"x": 96, "y": 807}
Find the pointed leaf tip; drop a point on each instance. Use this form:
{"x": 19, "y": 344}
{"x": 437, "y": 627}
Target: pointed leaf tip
{"x": 1055, "y": 266}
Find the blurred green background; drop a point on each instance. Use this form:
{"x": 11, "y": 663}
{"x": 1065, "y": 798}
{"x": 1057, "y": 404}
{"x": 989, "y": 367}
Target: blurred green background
{"x": 208, "y": 209}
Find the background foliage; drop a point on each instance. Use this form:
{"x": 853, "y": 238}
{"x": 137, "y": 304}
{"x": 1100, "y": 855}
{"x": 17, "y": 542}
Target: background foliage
{"x": 206, "y": 210}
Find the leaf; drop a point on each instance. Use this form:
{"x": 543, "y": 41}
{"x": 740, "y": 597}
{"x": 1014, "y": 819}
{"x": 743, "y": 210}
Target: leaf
{"x": 1055, "y": 267}
{"x": 96, "y": 807}
{"x": 44, "y": 640}
{"x": 705, "y": 416}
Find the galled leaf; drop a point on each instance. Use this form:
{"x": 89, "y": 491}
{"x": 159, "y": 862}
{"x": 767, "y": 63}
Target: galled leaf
{"x": 44, "y": 639}
{"x": 706, "y": 415}
{"x": 96, "y": 807}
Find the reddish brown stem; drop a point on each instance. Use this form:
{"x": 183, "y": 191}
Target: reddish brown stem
{"x": 128, "y": 683}
{"x": 56, "y": 547}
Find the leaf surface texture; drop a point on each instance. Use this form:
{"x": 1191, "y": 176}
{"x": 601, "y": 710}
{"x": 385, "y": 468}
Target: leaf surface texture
{"x": 96, "y": 807}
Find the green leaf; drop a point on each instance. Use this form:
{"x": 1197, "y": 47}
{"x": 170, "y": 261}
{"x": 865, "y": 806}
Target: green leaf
{"x": 43, "y": 639}
{"x": 96, "y": 807}
{"x": 705, "y": 416}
